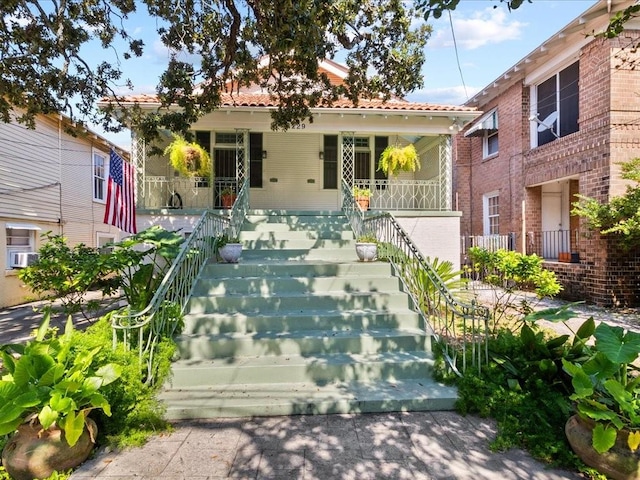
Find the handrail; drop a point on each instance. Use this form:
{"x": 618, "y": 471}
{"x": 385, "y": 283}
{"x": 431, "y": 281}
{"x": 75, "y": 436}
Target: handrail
{"x": 144, "y": 329}
{"x": 460, "y": 328}
{"x": 239, "y": 210}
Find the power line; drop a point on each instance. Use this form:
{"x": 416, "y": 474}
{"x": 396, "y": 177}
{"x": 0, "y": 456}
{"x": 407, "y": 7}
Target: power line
{"x": 455, "y": 47}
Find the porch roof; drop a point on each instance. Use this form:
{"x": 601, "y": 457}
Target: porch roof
{"x": 265, "y": 100}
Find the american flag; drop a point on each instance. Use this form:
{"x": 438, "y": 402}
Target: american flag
{"x": 121, "y": 203}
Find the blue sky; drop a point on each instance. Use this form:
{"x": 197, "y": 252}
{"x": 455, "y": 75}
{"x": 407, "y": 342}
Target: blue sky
{"x": 490, "y": 41}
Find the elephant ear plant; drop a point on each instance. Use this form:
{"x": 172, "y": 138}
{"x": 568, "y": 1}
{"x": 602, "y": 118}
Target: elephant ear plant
{"x": 607, "y": 387}
{"x": 45, "y": 381}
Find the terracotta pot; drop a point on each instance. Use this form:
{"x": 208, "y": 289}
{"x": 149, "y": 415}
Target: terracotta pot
{"x": 228, "y": 201}
{"x": 367, "y": 252}
{"x": 363, "y": 202}
{"x": 619, "y": 463}
{"x": 35, "y": 453}
{"x": 231, "y": 252}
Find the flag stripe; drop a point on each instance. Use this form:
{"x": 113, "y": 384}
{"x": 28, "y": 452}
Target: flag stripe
{"x": 120, "y": 210}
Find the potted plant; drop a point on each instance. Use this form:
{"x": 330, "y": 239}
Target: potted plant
{"x": 605, "y": 432}
{"x": 367, "y": 247}
{"x": 228, "y": 248}
{"x": 46, "y": 395}
{"x": 395, "y": 159}
{"x": 362, "y": 197}
{"x": 228, "y": 197}
{"x": 188, "y": 158}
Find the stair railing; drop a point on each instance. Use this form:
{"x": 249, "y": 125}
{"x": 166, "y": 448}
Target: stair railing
{"x": 461, "y": 329}
{"x": 160, "y": 319}
{"x": 239, "y": 210}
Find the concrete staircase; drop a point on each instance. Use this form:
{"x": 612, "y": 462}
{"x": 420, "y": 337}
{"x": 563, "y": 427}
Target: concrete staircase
{"x": 299, "y": 326}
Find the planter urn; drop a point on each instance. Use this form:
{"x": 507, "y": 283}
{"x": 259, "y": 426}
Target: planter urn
{"x": 366, "y": 252}
{"x": 230, "y": 252}
{"x": 619, "y": 463}
{"x": 35, "y": 453}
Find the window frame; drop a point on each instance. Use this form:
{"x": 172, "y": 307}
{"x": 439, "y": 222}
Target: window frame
{"x": 18, "y": 248}
{"x": 96, "y": 178}
{"x": 488, "y": 226}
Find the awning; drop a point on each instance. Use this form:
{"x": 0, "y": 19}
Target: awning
{"x": 487, "y": 123}
{"x": 22, "y": 226}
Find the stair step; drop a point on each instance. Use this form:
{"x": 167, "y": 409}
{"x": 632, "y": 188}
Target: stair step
{"x": 247, "y": 236}
{"x": 243, "y": 400}
{"x": 309, "y": 342}
{"x": 324, "y": 254}
{"x": 293, "y": 302}
{"x": 298, "y": 244}
{"x": 323, "y": 320}
{"x": 294, "y": 269}
{"x": 320, "y": 369}
{"x": 279, "y": 285}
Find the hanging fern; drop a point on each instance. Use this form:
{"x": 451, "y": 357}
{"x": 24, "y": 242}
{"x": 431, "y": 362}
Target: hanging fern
{"x": 188, "y": 158}
{"x": 395, "y": 159}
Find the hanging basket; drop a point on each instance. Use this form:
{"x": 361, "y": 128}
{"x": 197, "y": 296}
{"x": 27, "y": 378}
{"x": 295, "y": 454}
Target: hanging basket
{"x": 189, "y": 158}
{"x": 395, "y": 159}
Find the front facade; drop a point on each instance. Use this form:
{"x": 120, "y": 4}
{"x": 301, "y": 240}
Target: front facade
{"x": 555, "y": 125}
{"x": 306, "y": 167}
{"x": 50, "y": 181}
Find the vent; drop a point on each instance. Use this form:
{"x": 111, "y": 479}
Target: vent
{"x": 23, "y": 259}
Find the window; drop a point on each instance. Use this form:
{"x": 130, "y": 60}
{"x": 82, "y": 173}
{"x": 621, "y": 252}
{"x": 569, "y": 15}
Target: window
{"x": 103, "y": 240}
{"x": 255, "y": 158}
{"x": 490, "y": 143}
{"x": 380, "y": 144}
{"x": 362, "y": 159}
{"x": 330, "y": 162}
{"x": 99, "y": 176}
{"x": 557, "y": 106}
{"x": 491, "y": 210}
{"x": 203, "y": 138}
{"x": 20, "y": 238}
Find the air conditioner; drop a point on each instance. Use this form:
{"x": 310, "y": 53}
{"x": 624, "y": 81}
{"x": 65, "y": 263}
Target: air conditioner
{"x": 23, "y": 259}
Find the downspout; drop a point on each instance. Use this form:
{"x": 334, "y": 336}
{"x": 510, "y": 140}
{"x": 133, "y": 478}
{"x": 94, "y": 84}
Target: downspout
{"x": 60, "y": 219}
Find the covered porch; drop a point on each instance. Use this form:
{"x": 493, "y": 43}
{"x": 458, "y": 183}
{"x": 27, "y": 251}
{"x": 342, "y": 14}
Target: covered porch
{"x": 303, "y": 168}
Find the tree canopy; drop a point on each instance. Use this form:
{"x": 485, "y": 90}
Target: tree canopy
{"x": 44, "y": 67}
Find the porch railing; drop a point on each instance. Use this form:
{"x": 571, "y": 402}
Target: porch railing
{"x": 184, "y": 193}
{"x": 488, "y": 242}
{"x": 549, "y": 244}
{"x": 404, "y": 194}
{"x": 460, "y": 328}
{"x": 143, "y": 330}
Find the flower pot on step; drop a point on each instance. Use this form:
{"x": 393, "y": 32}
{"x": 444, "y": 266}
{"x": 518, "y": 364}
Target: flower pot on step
{"x": 366, "y": 252}
{"x": 230, "y": 252}
{"x": 35, "y": 453}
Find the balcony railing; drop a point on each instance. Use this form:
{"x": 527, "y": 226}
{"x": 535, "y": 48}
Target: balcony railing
{"x": 184, "y": 193}
{"x": 488, "y": 242}
{"x": 550, "y": 244}
{"x": 404, "y": 194}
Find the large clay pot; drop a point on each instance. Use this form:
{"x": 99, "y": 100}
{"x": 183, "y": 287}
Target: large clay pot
{"x": 35, "y": 453}
{"x": 619, "y": 463}
{"x": 363, "y": 202}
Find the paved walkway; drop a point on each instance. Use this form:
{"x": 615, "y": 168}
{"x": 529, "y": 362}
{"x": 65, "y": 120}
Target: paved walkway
{"x": 438, "y": 445}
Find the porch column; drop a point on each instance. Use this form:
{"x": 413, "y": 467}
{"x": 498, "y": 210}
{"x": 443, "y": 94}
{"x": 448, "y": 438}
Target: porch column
{"x": 446, "y": 172}
{"x": 242, "y": 157}
{"x": 348, "y": 156}
{"x": 139, "y": 160}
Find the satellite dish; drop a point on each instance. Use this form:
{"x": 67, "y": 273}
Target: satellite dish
{"x": 547, "y": 123}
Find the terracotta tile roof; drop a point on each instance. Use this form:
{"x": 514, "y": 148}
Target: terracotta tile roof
{"x": 266, "y": 101}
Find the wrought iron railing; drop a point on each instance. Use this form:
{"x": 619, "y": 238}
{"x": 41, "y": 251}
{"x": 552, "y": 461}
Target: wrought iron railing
{"x": 185, "y": 193}
{"x": 488, "y": 242}
{"x": 550, "y": 244}
{"x": 239, "y": 210}
{"x": 404, "y": 194}
{"x": 143, "y": 330}
{"x": 461, "y": 329}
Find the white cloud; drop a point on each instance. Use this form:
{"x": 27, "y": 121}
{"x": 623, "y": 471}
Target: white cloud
{"x": 455, "y": 95}
{"x": 488, "y": 26}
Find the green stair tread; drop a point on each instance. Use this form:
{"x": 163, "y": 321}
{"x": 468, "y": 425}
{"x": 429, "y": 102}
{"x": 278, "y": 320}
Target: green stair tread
{"x": 310, "y": 397}
{"x": 268, "y": 335}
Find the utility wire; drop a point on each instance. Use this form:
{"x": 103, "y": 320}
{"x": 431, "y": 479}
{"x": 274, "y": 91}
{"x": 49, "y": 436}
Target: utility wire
{"x": 455, "y": 47}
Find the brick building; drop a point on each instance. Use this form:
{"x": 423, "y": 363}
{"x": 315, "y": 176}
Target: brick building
{"x": 556, "y": 124}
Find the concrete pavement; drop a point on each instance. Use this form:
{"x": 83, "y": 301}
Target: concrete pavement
{"x": 416, "y": 445}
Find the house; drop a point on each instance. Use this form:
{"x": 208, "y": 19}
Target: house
{"x": 555, "y": 125}
{"x": 305, "y": 167}
{"x": 50, "y": 181}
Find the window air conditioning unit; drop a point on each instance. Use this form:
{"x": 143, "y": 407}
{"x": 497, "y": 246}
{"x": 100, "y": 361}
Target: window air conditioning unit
{"x": 23, "y": 259}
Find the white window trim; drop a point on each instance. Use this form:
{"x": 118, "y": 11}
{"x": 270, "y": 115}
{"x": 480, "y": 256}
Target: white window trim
{"x": 485, "y": 210}
{"x": 32, "y": 229}
{"x": 95, "y": 152}
{"x": 485, "y": 145}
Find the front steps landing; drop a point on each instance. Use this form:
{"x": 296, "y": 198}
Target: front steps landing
{"x": 299, "y": 326}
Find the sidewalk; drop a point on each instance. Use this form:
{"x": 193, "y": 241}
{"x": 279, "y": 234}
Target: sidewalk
{"x": 416, "y": 445}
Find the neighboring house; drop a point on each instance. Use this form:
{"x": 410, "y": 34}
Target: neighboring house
{"x": 50, "y": 181}
{"x": 555, "y": 125}
{"x": 305, "y": 167}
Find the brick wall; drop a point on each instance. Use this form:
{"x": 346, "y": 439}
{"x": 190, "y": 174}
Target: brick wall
{"x": 609, "y": 132}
